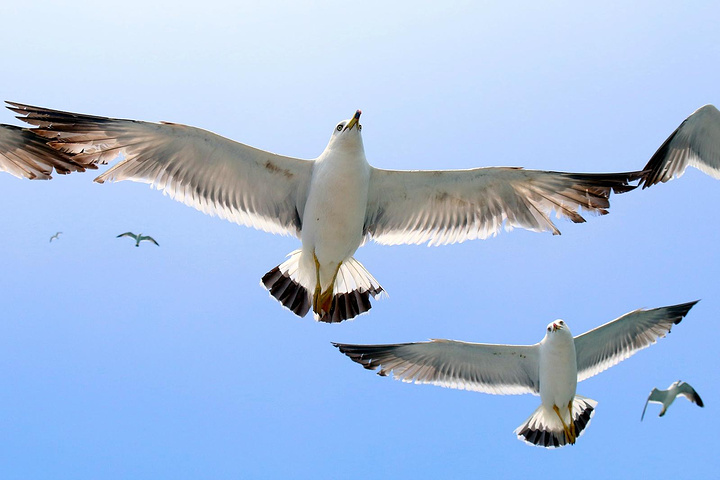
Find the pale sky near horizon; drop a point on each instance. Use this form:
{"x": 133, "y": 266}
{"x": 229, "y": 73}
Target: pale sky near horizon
{"x": 172, "y": 361}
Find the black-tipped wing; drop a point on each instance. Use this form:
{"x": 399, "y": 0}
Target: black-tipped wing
{"x": 128, "y": 234}
{"x": 695, "y": 143}
{"x": 689, "y": 392}
{"x": 25, "y": 155}
{"x": 496, "y": 369}
{"x": 449, "y": 206}
{"x": 609, "y": 344}
{"x": 149, "y": 239}
{"x": 201, "y": 169}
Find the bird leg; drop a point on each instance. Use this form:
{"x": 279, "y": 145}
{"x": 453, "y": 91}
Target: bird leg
{"x": 572, "y": 423}
{"x": 322, "y": 301}
{"x": 570, "y": 437}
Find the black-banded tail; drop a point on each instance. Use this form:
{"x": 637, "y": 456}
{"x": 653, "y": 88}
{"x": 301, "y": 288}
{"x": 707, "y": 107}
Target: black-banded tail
{"x": 544, "y": 428}
{"x": 351, "y": 292}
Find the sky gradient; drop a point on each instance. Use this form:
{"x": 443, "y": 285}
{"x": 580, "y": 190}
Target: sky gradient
{"x": 173, "y": 362}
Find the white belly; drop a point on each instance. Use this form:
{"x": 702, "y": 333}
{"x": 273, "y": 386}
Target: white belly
{"x": 334, "y": 215}
{"x": 558, "y": 371}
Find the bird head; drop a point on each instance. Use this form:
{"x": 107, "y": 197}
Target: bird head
{"x": 555, "y": 326}
{"x": 346, "y": 134}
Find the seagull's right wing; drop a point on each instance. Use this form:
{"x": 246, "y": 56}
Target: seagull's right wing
{"x": 149, "y": 239}
{"x": 25, "y": 155}
{"x": 448, "y": 206}
{"x": 695, "y": 143}
{"x": 496, "y": 369}
{"x": 201, "y": 169}
{"x": 689, "y": 392}
{"x": 610, "y": 344}
{"x": 656, "y": 396}
{"x": 127, "y": 234}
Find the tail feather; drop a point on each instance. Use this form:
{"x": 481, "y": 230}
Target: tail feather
{"x": 544, "y": 429}
{"x": 351, "y": 292}
{"x": 283, "y": 284}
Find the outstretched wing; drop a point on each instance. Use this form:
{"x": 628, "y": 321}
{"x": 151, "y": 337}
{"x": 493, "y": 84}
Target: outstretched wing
{"x": 201, "y": 169}
{"x": 25, "y": 155}
{"x": 689, "y": 392}
{"x": 449, "y": 206}
{"x": 127, "y": 234}
{"x": 496, "y": 369}
{"x": 149, "y": 239}
{"x": 609, "y": 344}
{"x": 695, "y": 143}
{"x": 656, "y": 396}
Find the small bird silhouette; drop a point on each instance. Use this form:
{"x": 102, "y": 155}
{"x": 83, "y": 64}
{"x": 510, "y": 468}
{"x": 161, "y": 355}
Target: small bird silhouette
{"x": 667, "y": 397}
{"x": 56, "y": 236}
{"x": 138, "y": 238}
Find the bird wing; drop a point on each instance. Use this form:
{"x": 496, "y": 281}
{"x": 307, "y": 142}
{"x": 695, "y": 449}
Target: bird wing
{"x": 211, "y": 173}
{"x": 689, "y": 392}
{"x": 127, "y": 234}
{"x": 696, "y": 143}
{"x": 149, "y": 239}
{"x": 609, "y": 344}
{"x": 25, "y": 155}
{"x": 496, "y": 369}
{"x": 656, "y": 396}
{"x": 449, "y": 206}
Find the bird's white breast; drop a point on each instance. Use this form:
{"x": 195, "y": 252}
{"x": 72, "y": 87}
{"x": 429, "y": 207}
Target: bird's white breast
{"x": 558, "y": 369}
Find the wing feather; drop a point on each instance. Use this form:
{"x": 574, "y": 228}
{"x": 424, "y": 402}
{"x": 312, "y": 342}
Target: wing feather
{"x": 609, "y": 344}
{"x": 496, "y": 369}
{"x": 450, "y": 206}
{"x": 211, "y": 173}
{"x": 695, "y": 143}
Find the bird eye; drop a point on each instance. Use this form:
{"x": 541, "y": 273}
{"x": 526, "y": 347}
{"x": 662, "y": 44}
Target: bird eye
{"x": 548, "y": 329}
{"x": 561, "y": 322}
{"x": 339, "y": 127}
{"x": 359, "y": 127}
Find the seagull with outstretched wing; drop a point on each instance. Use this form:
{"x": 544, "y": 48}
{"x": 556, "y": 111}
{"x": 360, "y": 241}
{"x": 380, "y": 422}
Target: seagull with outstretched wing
{"x": 55, "y": 237}
{"x": 138, "y": 238}
{"x": 26, "y": 155}
{"x": 695, "y": 143}
{"x": 667, "y": 397}
{"x": 551, "y": 368}
{"x": 333, "y": 203}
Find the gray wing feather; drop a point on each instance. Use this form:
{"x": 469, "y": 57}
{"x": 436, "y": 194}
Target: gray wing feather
{"x": 609, "y": 344}
{"x": 201, "y": 169}
{"x": 695, "y": 143}
{"x": 689, "y": 392}
{"x": 25, "y": 155}
{"x": 449, "y": 206}
{"x": 496, "y": 369}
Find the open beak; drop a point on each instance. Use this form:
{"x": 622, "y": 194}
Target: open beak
{"x": 555, "y": 327}
{"x": 353, "y": 121}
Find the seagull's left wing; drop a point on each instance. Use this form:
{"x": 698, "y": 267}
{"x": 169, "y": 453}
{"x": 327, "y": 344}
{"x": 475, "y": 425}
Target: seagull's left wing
{"x": 610, "y": 344}
{"x": 149, "y": 239}
{"x": 656, "y": 396}
{"x": 695, "y": 143}
{"x": 206, "y": 171}
{"x": 25, "y": 155}
{"x": 449, "y": 206}
{"x": 496, "y": 369}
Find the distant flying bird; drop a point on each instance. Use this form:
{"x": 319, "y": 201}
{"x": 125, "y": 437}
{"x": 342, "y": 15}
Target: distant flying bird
{"x": 333, "y": 203}
{"x": 695, "y": 143}
{"x": 26, "y": 155}
{"x": 56, "y": 236}
{"x": 550, "y": 368}
{"x": 138, "y": 238}
{"x": 667, "y": 397}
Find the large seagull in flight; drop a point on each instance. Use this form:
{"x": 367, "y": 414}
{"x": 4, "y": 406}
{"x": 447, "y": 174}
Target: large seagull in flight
{"x": 551, "y": 368}
{"x": 333, "y": 203}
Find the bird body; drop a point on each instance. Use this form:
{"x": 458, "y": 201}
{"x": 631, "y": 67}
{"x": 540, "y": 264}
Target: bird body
{"x": 333, "y": 203}
{"x": 667, "y": 397}
{"x": 551, "y": 368}
{"x": 138, "y": 238}
{"x": 56, "y": 236}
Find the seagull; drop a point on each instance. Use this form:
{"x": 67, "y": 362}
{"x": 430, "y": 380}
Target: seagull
{"x": 138, "y": 238}
{"x": 695, "y": 143}
{"x": 25, "y": 155}
{"x": 55, "y": 237}
{"x": 667, "y": 397}
{"x": 551, "y": 368}
{"x": 333, "y": 203}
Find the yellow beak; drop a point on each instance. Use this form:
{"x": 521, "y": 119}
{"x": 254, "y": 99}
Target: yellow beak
{"x": 353, "y": 121}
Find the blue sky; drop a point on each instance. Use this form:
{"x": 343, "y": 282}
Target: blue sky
{"x": 172, "y": 362}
